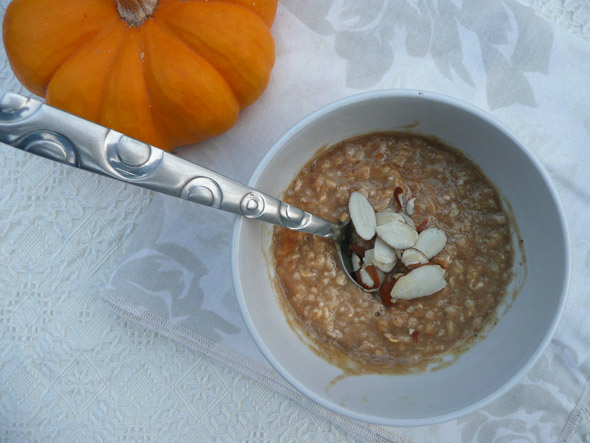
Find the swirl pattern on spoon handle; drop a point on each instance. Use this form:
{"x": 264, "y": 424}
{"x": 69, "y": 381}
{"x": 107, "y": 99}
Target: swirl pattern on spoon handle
{"x": 40, "y": 129}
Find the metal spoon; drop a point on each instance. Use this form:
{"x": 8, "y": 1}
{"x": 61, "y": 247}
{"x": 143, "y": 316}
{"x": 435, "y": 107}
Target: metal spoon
{"x": 43, "y": 130}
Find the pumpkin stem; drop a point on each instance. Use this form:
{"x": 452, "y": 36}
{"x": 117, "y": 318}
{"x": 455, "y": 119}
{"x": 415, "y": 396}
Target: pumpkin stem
{"x": 135, "y": 12}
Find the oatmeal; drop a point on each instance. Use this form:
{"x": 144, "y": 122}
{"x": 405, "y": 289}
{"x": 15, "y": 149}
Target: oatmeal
{"x": 440, "y": 190}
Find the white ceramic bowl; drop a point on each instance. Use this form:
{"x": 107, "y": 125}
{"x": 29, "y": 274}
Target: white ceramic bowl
{"x": 492, "y": 366}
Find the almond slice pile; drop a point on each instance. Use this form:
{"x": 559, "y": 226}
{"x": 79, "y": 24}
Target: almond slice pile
{"x": 398, "y": 264}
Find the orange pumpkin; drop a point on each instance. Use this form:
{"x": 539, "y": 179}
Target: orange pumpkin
{"x": 168, "y": 72}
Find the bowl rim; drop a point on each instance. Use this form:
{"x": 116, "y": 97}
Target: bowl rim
{"x": 453, "y": 102}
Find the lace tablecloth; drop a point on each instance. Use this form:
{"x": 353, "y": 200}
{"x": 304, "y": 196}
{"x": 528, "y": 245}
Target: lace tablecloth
{"x": 72, "y": 370}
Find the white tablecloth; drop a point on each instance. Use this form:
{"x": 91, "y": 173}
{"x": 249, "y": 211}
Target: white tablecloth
{"x": 73, "y": 370}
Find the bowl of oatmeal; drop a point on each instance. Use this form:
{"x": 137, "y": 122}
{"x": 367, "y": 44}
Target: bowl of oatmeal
{"x": 461, "y": 300}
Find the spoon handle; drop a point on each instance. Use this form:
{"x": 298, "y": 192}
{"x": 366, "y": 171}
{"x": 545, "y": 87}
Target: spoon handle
{"x": 43, "y": 130}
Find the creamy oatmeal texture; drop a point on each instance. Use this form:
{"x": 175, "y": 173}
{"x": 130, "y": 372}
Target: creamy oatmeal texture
{"x": 352, "y": 328}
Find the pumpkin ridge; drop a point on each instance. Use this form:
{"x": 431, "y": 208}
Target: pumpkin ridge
{"x": 111, "y": 24}
{"x": 164, "y": 25}
{"x": 50, "y": 99}
{"x": 268, "y": 20}
{"x": 227, "y": 2}
{"x": 40, "y": 88}
{"x": 108, "y": 77}
{"x": 176, "y": 121}
{"x": 144, "y": 50}
{"x": 126, "y": 105}
{"x": 233, "y": 4}
{"x": 161, "y": 128}
{"x": 224, "y": 56}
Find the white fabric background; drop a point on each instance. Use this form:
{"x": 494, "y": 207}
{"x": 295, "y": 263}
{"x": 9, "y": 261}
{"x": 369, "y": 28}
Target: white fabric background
{"x": 72, "y": 370}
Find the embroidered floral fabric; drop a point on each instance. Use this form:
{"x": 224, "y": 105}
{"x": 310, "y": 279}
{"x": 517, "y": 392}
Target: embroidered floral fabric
{"x": 174, "y": 362}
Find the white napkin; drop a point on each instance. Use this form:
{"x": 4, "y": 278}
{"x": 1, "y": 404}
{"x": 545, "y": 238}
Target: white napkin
{"x": 498, "y": 55}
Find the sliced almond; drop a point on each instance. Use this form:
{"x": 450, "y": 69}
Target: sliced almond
{"x": 362, "y": 215}
{"x": 410, "y": 206}
{"x": 390, "y": 215}
{"x": 385, "y": 293}
{"x": 413, "y": 257}
{"x": 408, "y": 220}
{"x": 397, "y": 234}
{"x": 385, "y": 267}
{"x": 398, "y": 193}
{"x": 419, "y": 282}
{"x": 399, "y": 253}
{"x": 431, "y": 241}
{"x": 383, "y": 253}
{"x": 387, "y": 216}
{"x": 368, "y": 278}
{"x": 356, "y": 262}
{"x": 423, "y": 225}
